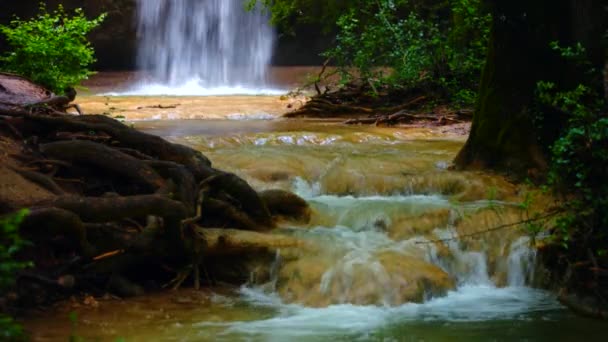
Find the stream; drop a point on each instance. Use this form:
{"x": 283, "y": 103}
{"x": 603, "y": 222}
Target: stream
{"x": 370, "y": 268}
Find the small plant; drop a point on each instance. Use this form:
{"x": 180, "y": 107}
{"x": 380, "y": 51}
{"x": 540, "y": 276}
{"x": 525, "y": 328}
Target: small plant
{"x": 10, "y": 244}
{"x": 51, "y": 49}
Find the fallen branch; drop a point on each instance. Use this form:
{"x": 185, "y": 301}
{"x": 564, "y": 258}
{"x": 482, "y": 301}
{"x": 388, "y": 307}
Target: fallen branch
{"x": 493, "y": 229}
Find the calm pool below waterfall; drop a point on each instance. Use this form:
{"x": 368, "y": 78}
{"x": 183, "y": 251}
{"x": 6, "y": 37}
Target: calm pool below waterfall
{"x": 379, "y": 197}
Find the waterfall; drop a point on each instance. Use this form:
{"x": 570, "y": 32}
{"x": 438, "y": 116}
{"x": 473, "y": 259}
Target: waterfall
{"x": 203, "y": 44}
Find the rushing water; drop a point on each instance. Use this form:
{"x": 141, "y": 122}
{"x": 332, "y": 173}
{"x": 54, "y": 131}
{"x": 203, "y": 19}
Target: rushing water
{"x": 209, "y": 47}
{"x": 379, "y": 195}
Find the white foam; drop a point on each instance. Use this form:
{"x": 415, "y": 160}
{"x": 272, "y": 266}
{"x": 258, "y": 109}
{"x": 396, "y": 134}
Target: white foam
{"x": 194, "y": 87}
{"x": 252, "y": 116}
{"x": 466, "y": 304}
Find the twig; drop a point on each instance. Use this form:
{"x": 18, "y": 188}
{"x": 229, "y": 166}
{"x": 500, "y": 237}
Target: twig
{"x": 493, "y": 229}
{"x": 108, "y": 254}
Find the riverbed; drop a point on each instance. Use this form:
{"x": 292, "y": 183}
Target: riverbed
{"x": 380, "y": 199}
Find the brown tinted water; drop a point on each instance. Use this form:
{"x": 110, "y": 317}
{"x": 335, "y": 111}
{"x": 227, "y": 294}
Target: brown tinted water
{"x": 379, "y": 196}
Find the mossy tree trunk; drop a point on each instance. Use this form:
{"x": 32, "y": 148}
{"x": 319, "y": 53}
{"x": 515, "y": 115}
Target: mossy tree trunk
{"x": 519, "y": 55}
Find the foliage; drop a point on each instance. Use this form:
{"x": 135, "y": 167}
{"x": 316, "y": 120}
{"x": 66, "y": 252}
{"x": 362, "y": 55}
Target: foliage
{"x": 579, "y": 160}
{"x": 289, "y": 13}
{"x": 51, "y": 49}
{"x": 404, "y": 45}
{"x": 401, "y": 43}
{"x": 416, "y": 50}
{"x": 10, "y": 244}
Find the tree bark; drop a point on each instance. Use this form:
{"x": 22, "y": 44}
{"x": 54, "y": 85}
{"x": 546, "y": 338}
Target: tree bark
{"x": 503, "y": 136}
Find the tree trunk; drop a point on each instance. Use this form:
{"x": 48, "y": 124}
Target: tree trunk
{"x": 503, "y": 136}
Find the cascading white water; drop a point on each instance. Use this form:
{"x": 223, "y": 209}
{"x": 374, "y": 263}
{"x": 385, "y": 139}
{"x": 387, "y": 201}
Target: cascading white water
{"x": 203, "y": 47}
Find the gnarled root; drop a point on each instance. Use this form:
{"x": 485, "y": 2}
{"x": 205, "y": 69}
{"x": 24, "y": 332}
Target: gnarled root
{"x": 132, "y": 205}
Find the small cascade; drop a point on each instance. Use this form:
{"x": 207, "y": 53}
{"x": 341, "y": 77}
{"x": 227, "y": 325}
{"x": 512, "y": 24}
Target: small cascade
{"x": 396, "y": 248}
{"x": 379, "y": 204}
{"x": 384, "y": 250}
{"x": 211, "y": 47}
{"x": 521, "y": 262}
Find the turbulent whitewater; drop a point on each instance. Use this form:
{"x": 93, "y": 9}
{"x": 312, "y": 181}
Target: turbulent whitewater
{"x": 211, "y": 47}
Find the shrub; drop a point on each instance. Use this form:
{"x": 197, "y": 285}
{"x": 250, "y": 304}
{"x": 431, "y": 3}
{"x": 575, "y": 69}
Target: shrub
{"x": 417, "y": 48}
{"x": 578, "y": 168}
{"x": 579, "y": 157}
{"x": 399, "y": 43}
{"x": 10, "y": 244}
{"x": 51, "y": 49}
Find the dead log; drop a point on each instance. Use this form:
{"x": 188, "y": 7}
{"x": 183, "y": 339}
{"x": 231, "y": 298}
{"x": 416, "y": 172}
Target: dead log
{"x": 409, "y": 104}
{"x": 332, "y": 105}
{"x": 363, "y": 121}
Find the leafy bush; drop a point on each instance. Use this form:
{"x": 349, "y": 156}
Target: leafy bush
{"x": 407, "y": 46}
{"x": 400, "y": 43}
{"x": 10, "y": 244}
{"x": 579, "y": 158}
{"x": 51, "y": 49}
{"x": 579, "y": 161}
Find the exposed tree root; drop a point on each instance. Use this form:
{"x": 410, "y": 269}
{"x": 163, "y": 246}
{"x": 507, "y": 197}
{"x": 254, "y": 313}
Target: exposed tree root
{"x": 105, "y": 158}
{"x": 234, "y": 241}
{"x": 40, "y": 179}
{"x": 47, "y": 222}
{"x": 128, "y": 202}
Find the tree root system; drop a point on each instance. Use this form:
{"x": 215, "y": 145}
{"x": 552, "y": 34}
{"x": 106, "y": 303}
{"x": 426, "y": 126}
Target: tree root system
{"x": 120, "y": 210}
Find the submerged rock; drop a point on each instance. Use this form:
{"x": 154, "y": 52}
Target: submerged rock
{"x": 389, "y": 278}
{"x": 286, "y": 205}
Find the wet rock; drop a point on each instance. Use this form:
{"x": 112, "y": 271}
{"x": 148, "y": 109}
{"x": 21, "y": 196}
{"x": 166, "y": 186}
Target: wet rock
{"x": 388, "y": 278}
{"x": 419, "y": 225}
{"x": 17, "y": 90}
{"x": 286, "y": 205}
{"x": 270, "y": 175}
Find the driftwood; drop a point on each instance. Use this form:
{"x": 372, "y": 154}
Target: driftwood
{"x": 352, "y": 101}
{"x": 404, "y": 117}
{"x": 383, "y": 107}
{"x": 160, "y": 106}
{"x": 125, "y": 201}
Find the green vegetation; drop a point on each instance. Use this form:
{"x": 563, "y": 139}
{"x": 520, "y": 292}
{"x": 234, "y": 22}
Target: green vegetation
{"x": 540, "y": 111}
{"x": 10, "y": 244}
{"x": 50, "y": 49}
{"x": 402, "y": 44}
{"x": 579, "y": 159}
